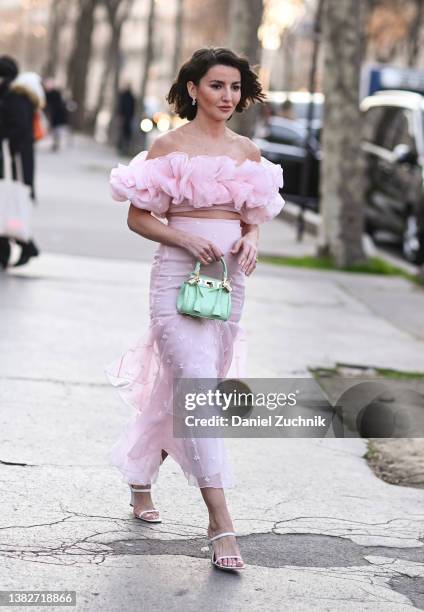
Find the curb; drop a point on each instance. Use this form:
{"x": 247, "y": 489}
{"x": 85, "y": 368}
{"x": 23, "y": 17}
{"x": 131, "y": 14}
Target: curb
{"x": 312, "y": 221}
{"x": 290, "y": 213}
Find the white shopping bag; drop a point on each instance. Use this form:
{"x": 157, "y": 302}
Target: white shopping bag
{"x": 15, "y": 204}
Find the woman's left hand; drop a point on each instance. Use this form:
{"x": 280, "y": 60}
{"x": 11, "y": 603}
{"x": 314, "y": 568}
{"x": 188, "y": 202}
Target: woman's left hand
{"x": 248, "y": 254}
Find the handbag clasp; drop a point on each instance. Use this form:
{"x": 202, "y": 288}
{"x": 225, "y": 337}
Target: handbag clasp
{"x": 226, "y": 285}
{"x": 195, "y": 278}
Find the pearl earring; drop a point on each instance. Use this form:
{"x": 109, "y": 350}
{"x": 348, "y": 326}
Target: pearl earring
{"x": 193, "y": 102}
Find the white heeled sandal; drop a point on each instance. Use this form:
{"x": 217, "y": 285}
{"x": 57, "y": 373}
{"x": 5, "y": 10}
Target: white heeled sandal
{"x": 214, "y": 560}
{"x": 137, "y": 489}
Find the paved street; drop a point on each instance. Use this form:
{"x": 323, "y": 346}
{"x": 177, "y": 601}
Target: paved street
{"x": 319, "y": 531}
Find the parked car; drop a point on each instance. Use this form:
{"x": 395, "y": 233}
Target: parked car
{"x": 283, "y": 141}
{"x": 393, "y": 143}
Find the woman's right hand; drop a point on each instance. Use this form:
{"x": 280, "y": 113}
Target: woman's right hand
{"x": 203, "y": 250}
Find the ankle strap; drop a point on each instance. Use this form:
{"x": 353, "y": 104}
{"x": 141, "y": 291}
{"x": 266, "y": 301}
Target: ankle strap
{"x": 136, "y": 489}
{"x": 221, "y": 535}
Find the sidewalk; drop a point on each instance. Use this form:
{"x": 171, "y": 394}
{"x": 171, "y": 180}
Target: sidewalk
{"x": 319, "y": 524}
{"x": 319, "y": 530}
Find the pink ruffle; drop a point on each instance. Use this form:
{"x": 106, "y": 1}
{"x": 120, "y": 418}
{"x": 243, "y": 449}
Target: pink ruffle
{"x": 145, "y": 384}
{"x": 163, "y": 183}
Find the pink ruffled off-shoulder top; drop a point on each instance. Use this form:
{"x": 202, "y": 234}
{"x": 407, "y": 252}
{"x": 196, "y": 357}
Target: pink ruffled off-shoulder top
{"x": 178, "y": 183}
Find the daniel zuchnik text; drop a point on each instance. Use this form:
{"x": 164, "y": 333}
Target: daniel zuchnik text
{"x": 272, "y": 420}
{"x": 230, "y": 400}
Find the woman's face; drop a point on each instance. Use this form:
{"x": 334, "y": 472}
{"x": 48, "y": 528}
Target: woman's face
{"x": 218, "y": 91}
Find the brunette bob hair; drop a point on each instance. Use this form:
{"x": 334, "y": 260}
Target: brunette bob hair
{"x": 198, "y": 65}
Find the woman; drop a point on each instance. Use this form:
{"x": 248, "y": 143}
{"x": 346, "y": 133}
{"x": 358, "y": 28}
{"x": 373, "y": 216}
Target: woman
{"x": 8, "y": 72}
{"x": 56, "y": 111}
{"x": 24, "y": 95}
{"x": 214, "y": 189}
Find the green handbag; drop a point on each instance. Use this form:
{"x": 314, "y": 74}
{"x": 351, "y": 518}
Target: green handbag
{"x": 205, "y": 296}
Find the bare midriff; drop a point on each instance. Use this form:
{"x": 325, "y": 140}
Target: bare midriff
{"x": 209, "y": 214}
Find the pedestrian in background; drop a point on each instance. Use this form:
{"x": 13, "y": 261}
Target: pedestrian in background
{"x": 24, "y": 95}
{"x": 266, "y": 112}
{"x": 126, "y": 111}
{"x": 8, "y": 72}
{"x": 287, "y": 110}
{"x": 56, "y": 111}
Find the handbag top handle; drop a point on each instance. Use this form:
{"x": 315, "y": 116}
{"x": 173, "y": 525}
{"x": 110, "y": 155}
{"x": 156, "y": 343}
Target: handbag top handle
{"x": 7, "y": 161}
{"x": 224, "y": 266}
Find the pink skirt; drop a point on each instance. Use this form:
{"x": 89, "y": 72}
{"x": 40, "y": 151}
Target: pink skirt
{"x": 176, "y": 345}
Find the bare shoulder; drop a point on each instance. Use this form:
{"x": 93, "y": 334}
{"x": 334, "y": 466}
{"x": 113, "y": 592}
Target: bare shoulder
{"x": 245, "y": 146}
{"x": 164, "y": 144}
{"x": 251, "y": 150}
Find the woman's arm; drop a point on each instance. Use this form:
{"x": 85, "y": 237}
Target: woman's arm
{"x": 251, "y": 232}
{"x": 248, "y": 247}
{"x": 143, "y": 223}
{"x": 248, "y": 243}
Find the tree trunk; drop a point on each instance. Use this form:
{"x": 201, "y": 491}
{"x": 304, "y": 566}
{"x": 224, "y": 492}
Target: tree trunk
{"x": 80, "y": 58}
{"x": 414, "y": 34}
{"x": 178, "y": 37}
{"x": 245, "y": 19}
{"x": 109, "y": 70}
{"x": 342, "y": 167}
{"x": 117, "y": 13}
{"x": 288, "y": 44}
{"x": 116, "y": 69}
{"x": 109, "y": 66}
{"x": 139, "y": 137}
{"x": 57, "y": 18}
{"x": 148, "y": 55}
